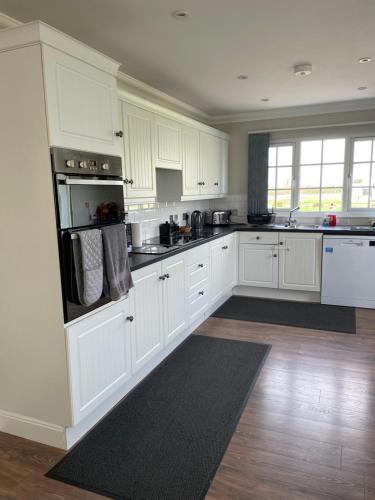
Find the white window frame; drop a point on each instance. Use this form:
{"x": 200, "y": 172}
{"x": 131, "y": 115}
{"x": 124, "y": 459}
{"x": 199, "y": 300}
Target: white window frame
{"x": 347, "y": 210}
{"x": 358, "y": 210}
{"x": 292, "y": 187}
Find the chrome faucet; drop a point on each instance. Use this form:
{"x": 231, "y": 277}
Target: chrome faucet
{"x": 292, "y": 222}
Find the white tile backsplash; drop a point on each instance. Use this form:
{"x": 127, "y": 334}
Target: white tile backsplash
{"x": 153, "y": 214}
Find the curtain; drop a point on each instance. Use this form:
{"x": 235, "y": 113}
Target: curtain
{"x": 258, "y": 173}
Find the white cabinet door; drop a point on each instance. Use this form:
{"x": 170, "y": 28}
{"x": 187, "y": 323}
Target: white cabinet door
{"x": 147, "y": 309}
{"x": 140, "y": 178}
{"x": 229, "y": 265}
{"x": 190, "y": 161}
{"x": 224, "y": 184}
{"x": 167, "y": 143}
{"x": 258, "y": 265}
{"x": 99, "y": 354}
{"x": 216, "y": 270}
{"x": 210, "y": 163}
{"x": 82, "y": 106}
{"x": 300, "y": 258}
{"x": 175, "y": 301}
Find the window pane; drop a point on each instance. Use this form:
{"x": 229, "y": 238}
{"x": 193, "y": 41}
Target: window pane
{"x": 360, "y": 197}
{"x": 283, "y": 199}
{"x": 372, "y": 198}
{"x": 309, "y": 200}
{"x": 361, "y": 174}
{"x": 284, "y": 156}
{"x": 311, "y": 152}
{"x": 333, "y": 150}
{"x": 333, "y": 175}
{"x": 310, "y": 176}
{"x": 271, "y": 178}
{"x": 362, "y": 150}
{"x": 331, "y": 199}
{"x": 271, "y": 199}
{"x": 272, "y": 156}
{"x": 284, "y": 178}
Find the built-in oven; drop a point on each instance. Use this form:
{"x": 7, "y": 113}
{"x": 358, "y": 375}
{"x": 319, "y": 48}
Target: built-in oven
{"x": 88, "y": 193}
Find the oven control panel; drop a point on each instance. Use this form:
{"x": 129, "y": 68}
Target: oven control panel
{"x": 85, "y": 163}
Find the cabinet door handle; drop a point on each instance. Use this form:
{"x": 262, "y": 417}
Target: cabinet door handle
{"x": 225, "y": 247}
{"x": 203, "y": 183}
{"x": 200, "y": 265}
{"x": 281, "y": 243}
{"x": 257, "y": 238}
{"x": 167, "y": 276}
{"x": 275, "y": 254}
{"x": 130, "y": 318}
{"x": 131, "y": 181}
{"x": 216, "y": 183}
{"x": 162, "y": 277}
{"x": 126, "y": 181}
{"x": 201, "y": 292}
{"x": 119, "y": 133}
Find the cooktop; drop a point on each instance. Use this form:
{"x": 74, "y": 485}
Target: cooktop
{"x": 161, "y": 245}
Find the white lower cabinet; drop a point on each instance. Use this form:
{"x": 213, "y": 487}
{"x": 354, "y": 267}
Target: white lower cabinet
{"x": 146, "y": 307}
{"x": 258, "y": 265}
{"x": 174, "y": 300}
{"x": 223, "y": 259}
{"x": 99, "y": 353}
{"x": 300, "y": 261}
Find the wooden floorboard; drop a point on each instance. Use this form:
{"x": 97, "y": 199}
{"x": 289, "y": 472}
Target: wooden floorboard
{"x": 307, "y": 432}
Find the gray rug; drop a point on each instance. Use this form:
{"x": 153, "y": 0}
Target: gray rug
{"x": 165, "y": 440}
{"x": 291, "y": 313}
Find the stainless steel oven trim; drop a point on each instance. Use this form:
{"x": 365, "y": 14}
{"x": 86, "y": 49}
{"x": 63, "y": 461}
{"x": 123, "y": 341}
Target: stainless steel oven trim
{"x": 73, "y": 181}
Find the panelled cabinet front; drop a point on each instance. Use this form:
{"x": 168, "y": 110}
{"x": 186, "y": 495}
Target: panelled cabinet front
{"x": 99, "y": 353}
{"x": 300, "y": 257}
{"x": 258, "y": 265}
{"x": 82, "y": 107}
{"x": 175, "y": 318}
{"x": 140, "y": 180}
{"x": 190, "y": 160}
{"x": 146, "y": 307}
{"x": 210, "y": 158}
{"x": 167, "y": 143}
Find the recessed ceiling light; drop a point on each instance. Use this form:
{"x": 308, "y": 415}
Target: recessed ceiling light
{"x": 362, "y": 88}
{"x": 302, "y": 69}
{"x": 242, "y": 77}
{"x": 180, "y": 14}
{"x": 265, "y": 99}
{"x": 365, "y": 60}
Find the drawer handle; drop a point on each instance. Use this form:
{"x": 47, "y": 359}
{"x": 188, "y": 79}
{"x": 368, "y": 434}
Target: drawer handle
{"x": 201, "y": 292}
{"x": 119, "y": 133}
{"x": 130, "y": 318}
{"x": 275, "y": 254}
{"x": 200, "y": 265}
{"x": 225, "y": 247}
{"x": 258, "y": 237}
{"x": 216, "y": 183}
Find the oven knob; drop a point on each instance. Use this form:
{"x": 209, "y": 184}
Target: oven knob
{"x": 83, "y": 164}
{"x": 70, "y": 163}
{"x": 105, "y": 166}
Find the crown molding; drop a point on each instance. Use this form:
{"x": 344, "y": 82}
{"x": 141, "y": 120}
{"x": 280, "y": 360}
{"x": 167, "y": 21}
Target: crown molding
{"x": 296, "y": 111}
{"x": 162, "y": 97}
{"x": 8, "y": 22}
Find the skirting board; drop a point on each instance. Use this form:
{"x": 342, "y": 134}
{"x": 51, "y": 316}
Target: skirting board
{"x": 276, "y": 293}
{"x": 32, "y": 428}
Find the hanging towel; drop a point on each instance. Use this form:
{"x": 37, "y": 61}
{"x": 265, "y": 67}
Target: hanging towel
{"x": 116, "y": 261}
{"x": 88, "y": 263}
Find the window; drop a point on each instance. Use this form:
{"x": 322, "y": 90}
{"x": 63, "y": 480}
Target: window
{"x": 321, "y": 175}
{"x": 280, "y": 174}
{"x": 363, "y": 174}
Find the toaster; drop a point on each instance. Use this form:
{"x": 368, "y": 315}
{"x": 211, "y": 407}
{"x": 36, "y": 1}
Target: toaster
{"x": 217, "y": 217}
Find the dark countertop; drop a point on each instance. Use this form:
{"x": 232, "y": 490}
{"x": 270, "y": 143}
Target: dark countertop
{"x": 137, "y": 261}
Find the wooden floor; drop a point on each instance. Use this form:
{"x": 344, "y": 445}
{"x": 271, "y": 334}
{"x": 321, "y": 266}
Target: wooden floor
{"x": 308, "y": 431}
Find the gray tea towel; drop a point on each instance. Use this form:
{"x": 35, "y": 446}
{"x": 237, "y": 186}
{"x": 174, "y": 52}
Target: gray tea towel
{"x": 116, "y": 261}
{"x": 88, "y": 263}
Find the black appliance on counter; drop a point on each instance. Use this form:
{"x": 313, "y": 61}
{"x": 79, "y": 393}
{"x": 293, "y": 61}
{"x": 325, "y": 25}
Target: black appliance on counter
{"x": 88, "y": 193}
{"x": 168, "y": 231}
{"x": 259, "y": 219}
{"x": 197, "y": 220}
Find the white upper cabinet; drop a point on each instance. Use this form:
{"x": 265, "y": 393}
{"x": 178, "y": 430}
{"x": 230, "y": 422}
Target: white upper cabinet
{"x": 167, "y": 143}
{"x": 140, "y": 179}
{"x": 210, "y": 159}
{"x": 300, "y": 257}
{"x": 224, "y": 184}
{"x": 82, "y": 109}
{"x": 190, "y": 161}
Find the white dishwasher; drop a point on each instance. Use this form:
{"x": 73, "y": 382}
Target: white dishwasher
{"x": 348, "y": 274}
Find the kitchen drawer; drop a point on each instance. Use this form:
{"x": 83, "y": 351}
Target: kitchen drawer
{"x": 197, "y": 254}
{"x": 261, "y": 237}
{"x": 198, "y": 302}
{"x": 197, "y": 272}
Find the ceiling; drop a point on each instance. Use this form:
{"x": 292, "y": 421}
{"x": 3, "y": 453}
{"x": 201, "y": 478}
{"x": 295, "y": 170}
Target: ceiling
{"x": 198, "y": 59}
